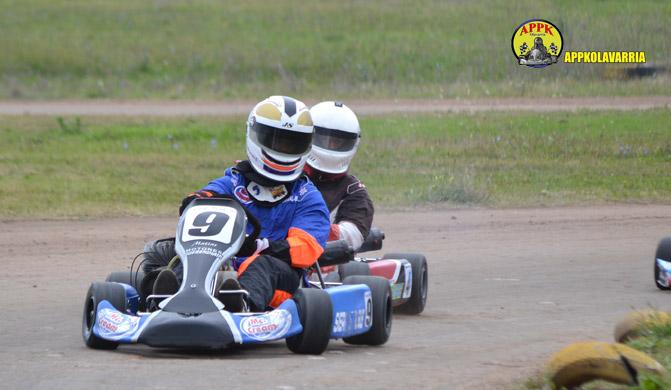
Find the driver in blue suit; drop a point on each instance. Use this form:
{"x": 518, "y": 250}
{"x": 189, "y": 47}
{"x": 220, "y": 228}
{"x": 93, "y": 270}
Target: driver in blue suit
{"x": 271, "y": 185}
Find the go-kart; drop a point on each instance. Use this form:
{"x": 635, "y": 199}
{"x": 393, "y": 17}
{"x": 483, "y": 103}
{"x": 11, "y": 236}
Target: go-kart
{"x": 209, "y": 233}
{"x": 408, "y": 273}
{"x": 663, "y": 264}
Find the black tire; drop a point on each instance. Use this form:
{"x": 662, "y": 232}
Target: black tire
{"x": 316, "y": 313}
{"x": 664, "y": 253}
{"x": 382, "y": 312}
{"x": 353, "y": 268}
{"x": 420, "y": 282}
{"x": 134, "y": 279}
{"x": 113, "y": 293}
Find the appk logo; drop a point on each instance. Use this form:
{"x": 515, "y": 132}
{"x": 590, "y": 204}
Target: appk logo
{"x": 537, "y": 43}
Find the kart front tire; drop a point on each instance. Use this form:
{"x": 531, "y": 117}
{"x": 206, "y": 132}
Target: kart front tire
{"x": 353, "y": 268}
{"x": 132, "y": 279}
{"x": 126, "y": 277}
{"x": 382, "y": 313}
{"x": 115, "y": 294}
{"x": 315, "y": 311}
{"x": 420, "y": 282}
{"x": 664, "y": 253}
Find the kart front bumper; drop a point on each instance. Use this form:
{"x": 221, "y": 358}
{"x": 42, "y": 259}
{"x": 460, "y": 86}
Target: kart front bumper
{"x": 221, "y": 329}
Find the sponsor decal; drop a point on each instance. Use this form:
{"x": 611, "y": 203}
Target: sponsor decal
{"x": 303, "y": 190}
{"x": 353, "y": 320}
{"x": 278, "y": 191}
{"x": 663, "y": 276}
{"x": 266, "y": 194}
{"x": 268, "y": 326}
{"x": 397, "y": 291}
{"x": 407, "y": 291}
{"x": 537, "y": 43}
{"x": 111, "y": 322}
{"x": 241, "y": 193}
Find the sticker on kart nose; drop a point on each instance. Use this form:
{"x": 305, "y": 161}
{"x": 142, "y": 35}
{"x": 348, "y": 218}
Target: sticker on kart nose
{"x": 269, "y": 326}
{"x": 112, "y": 323}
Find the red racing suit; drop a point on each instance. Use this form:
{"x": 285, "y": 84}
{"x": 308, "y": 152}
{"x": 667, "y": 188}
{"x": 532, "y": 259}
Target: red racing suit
{"x": 351, "y": 209}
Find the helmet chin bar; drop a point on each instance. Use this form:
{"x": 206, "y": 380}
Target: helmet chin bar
{"x": 262, "y": 168}
{"x": 329, "y": 161}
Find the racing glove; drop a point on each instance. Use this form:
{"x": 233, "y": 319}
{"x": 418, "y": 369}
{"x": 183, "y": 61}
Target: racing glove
{"x": 196, "y": 195}
{"x": 250, "y": 246}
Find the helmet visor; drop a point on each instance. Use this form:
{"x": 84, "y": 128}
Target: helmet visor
{"x": 336, "y": 140}
{"x": 280, "y": 140}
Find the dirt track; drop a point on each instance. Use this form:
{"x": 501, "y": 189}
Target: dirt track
{"x": 367, "y": 107}
{"x": 507, "y": 288}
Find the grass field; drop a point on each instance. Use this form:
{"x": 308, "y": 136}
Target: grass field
{"x": 323, "y": 49}
{"x": 53, "y": 167}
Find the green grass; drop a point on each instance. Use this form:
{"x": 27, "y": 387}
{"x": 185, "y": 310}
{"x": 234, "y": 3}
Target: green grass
{"x": 141, "y": 166}
{"x": 322, "y": 49}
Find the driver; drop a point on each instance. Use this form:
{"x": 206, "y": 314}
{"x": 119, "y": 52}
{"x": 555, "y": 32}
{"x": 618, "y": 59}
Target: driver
{"x": 292, "y": 213}
{"x": 336, "y": 139}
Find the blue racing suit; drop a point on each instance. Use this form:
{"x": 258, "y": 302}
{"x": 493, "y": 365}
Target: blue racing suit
{"x": 304, "y": 208}
{"x": 296, "y": 225}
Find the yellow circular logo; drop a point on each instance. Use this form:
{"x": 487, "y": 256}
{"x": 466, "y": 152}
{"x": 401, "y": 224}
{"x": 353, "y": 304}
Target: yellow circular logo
{"x": 537, "y": 43}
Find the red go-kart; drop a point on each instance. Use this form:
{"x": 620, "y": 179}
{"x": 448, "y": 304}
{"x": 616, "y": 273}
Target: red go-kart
{"x": 407, "y": 273}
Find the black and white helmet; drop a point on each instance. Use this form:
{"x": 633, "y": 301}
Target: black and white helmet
{"x": 279, "y": 137}
{"x": 336, "y": 138}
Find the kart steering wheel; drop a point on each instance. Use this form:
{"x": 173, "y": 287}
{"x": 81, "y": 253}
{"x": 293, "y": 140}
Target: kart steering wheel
{"x": 256, "y": 226}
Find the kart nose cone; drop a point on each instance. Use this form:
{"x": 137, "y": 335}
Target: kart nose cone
{"x": 174, "y": 330}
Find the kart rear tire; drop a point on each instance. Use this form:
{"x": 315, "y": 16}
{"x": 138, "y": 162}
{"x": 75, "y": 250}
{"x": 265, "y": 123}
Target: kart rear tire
{"x": 420, "y": 282}
{"x": 115, "y": 294}
{"x": 353, "y": 268}
{"x": 315, "y": 311}
{"x": 664, "y": 253}
{"x": 382, "y": 311}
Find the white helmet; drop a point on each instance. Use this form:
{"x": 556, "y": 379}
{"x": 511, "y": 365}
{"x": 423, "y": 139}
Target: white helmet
{"x": 336, "y": 138}
{"x": 279, "y": 137}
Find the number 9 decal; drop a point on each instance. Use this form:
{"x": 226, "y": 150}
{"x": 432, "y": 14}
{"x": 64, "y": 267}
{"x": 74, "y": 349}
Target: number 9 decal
{"x": 210, "y": 223}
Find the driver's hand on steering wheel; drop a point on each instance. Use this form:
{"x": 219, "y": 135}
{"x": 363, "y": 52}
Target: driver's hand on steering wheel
{"x": 251, "y": 246}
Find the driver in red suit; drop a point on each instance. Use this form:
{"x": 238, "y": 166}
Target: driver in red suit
{"x": 336, "y": 139}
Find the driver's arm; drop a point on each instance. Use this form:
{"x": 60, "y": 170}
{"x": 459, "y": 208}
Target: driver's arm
{"x": 354, "y": 216}
{"x": 307, "y": 235}
{"x": 215, "y": 188}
